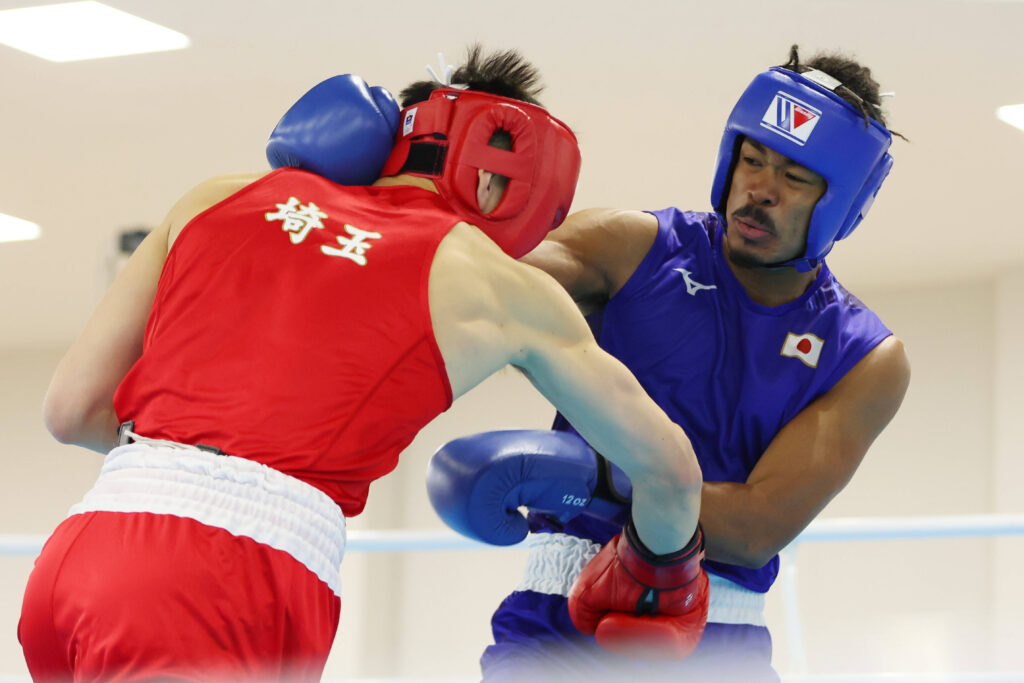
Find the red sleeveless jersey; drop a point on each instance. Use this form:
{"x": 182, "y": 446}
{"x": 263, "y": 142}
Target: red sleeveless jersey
{"x": 291, "y": 326}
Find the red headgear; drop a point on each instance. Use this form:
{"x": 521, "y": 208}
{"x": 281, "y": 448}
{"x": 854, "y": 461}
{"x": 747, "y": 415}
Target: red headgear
{"x": 445, "y": 139}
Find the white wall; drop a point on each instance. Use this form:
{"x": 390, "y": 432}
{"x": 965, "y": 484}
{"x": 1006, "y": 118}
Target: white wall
{"x": 897, "y": 605}
{"x": 1008, "y": 470}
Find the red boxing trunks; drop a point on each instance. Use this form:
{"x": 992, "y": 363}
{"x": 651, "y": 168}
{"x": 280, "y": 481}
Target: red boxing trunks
{"x": 182, "y": 564}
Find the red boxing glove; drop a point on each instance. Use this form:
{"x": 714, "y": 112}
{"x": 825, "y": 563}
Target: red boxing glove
{"x": 640, "y": 604}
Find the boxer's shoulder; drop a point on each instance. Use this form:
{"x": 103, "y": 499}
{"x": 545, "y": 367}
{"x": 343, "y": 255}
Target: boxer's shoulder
{"x": 203, "y": 196}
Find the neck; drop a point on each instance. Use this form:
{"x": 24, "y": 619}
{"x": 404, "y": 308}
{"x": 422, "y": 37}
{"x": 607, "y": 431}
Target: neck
{"x": 771, "y": 286}
{"x": 406, "y": 179}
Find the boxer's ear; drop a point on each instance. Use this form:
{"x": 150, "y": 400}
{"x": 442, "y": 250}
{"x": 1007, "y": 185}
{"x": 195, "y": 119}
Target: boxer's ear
{"x": 489, "y": 188}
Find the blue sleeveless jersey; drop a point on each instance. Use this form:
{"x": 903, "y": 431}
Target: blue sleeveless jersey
{"x": 731, "y": 372}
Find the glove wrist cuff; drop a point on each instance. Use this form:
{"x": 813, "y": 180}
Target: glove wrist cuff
{"x": 665, "y": 572}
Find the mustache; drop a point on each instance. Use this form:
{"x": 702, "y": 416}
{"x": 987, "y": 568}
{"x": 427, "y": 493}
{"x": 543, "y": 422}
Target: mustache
{"x": 756, "y": 214}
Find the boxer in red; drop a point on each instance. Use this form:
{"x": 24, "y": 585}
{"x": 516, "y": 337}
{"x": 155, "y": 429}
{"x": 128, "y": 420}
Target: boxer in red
{"x": 276, "y": 342}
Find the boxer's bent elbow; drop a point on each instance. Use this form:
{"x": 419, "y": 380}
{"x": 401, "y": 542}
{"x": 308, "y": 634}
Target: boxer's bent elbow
{"x": 752, "y": 552}
{"x": 62, "y": 420}
{"x": 754, "y": 556}
{"x": 71, "y": 422}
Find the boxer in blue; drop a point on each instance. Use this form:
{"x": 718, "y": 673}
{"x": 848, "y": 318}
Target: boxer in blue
{"x": 734, "y": 324}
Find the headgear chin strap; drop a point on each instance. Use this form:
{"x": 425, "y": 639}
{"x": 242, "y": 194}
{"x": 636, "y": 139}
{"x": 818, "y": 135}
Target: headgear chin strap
{"x": 446, "y": 139}
{"x": 800, "y": 117}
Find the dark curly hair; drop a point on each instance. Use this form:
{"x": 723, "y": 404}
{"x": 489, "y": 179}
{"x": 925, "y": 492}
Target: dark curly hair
{"x": 504, "y": 73}
{"x": 858, "y": 87}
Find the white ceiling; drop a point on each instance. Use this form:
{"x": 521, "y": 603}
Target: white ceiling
{"x": 92, "y": 148}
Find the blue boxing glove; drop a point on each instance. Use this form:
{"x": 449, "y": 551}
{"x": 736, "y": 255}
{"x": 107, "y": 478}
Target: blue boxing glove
{"x": 477, "y": 483}
{"x": 341, "y": 129}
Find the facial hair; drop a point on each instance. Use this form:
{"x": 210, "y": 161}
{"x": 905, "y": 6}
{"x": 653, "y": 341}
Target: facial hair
{"x": 745, "y": 259}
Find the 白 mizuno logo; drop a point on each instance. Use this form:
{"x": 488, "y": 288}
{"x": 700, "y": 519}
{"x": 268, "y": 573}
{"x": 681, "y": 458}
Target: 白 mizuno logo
{"x": 692, "y": 286}
{"x": 791, "y": 118}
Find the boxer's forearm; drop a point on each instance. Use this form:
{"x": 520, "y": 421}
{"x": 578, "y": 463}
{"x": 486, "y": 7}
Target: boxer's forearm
{"x": 556, "y": 351}
{"x": 664, "y": 512}
{"x": 738, "y": 529}
{"x": 747, "y": 525}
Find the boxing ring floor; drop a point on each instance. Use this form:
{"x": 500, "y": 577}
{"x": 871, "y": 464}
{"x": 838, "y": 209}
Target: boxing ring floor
{"x": 837, "y": 530}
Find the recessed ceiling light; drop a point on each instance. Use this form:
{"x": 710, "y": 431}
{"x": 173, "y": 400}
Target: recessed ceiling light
{"x": 14, "y": 229}
{"x": 1012, "y": 114}
{"x": 71, "y": 31}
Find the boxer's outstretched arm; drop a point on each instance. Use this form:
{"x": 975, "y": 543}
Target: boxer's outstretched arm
{"x": 79, "y": 403}
{"x": 594, "y": 252}
{"x": 490, "y": 311}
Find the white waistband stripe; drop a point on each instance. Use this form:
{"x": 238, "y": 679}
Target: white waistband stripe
{"x": 555, "y": 560}
{"x": 554, "y": 563}
{"x": 235, "y": 494}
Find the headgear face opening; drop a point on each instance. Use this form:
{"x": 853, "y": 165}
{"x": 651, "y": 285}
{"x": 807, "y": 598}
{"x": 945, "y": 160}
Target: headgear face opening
{"x": 806, "y": 122}
{"x": 446, "y": 139}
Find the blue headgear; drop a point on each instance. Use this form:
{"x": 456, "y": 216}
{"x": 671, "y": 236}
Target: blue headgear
{"x": 800, "y": 117}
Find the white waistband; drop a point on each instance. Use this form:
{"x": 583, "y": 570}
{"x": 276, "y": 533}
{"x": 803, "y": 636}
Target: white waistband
{"x": 235, "y": 494}
{"x": 555, "y": 560}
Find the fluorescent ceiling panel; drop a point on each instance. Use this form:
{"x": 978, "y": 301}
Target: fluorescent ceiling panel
{"x": 1012, "y": 114}
{"x": 14, "y": 229}
{"x": 72, "y": 31}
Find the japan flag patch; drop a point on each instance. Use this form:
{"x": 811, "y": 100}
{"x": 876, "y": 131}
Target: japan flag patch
{"x": 806, "y": 347}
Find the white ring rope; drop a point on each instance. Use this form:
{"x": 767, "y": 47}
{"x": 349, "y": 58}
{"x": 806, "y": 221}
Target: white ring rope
{"x": 822, "y": 530}
{"x": 890, "y": 528}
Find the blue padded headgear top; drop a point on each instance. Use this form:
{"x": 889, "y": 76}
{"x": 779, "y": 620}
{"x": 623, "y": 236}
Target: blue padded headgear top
{"x": 800, "y": 117}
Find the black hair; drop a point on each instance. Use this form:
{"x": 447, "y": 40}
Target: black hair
{"x": 504, "y": 73}
{"x": 858, "y": 87}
